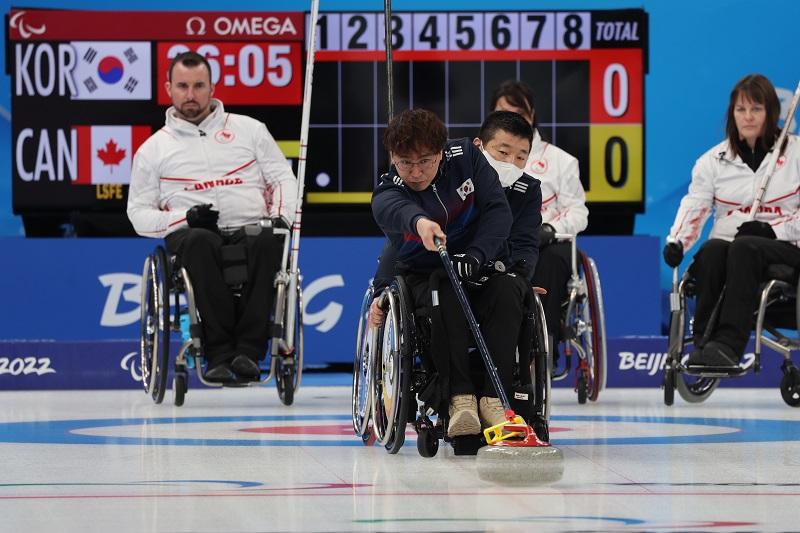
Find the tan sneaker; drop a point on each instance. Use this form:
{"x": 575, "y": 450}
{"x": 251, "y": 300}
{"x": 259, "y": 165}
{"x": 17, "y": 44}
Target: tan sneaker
{"x": 463, "y": 416}
{"x": 492, "y": 412}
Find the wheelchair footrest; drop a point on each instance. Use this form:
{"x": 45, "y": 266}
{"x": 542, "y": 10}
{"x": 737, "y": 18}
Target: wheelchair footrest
{"x": 467, "y": 444}
{"x": 705, "y": 371}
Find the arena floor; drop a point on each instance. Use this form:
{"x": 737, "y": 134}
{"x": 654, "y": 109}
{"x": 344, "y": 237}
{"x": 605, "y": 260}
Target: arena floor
{"x": 238, "y": 461}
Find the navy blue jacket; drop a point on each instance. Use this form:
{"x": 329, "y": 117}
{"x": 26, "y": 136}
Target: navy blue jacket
{"x": 522, "y": 248}
{"x": 465, "y": 199}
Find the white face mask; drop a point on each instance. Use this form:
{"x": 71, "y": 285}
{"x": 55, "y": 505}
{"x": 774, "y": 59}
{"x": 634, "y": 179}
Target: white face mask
{"x": 508, "y": 172}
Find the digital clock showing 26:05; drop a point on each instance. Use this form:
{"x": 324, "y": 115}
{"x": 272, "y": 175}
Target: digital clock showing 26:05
{"x": 253, "y": 73}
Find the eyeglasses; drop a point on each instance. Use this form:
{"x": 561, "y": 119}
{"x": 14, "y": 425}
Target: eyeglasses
{"x": 425, "y": 163}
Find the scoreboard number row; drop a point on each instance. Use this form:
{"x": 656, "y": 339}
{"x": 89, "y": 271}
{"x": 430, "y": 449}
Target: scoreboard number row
{"x": 455, "y": 31}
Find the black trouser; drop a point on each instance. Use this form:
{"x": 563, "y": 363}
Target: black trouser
{"x": 739, "y": 267}
{"x": 553, "y": 270}
{"x": 231, "y": 326}
{"x": 498, "y": 307}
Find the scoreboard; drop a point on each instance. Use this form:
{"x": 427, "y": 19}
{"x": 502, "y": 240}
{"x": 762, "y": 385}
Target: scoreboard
{"x": 88, "y": 88}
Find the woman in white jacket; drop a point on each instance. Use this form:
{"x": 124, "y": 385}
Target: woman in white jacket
{"x": 725, "y": 181}
{"x": 563, "y": 202}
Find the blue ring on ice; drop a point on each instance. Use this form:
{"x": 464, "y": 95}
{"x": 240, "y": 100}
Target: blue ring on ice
{"x": 63, "y": 431}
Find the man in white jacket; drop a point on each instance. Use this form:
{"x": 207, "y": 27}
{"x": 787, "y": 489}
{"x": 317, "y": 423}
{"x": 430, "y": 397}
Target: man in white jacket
{"x": 563, "y": 202}
{"x": 733, "y": 262}
{"x": 204, "y": 182}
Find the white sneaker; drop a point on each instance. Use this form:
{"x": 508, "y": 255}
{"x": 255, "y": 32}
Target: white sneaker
{"x": 491, "y": 411}
{"x": 463, "y": 416}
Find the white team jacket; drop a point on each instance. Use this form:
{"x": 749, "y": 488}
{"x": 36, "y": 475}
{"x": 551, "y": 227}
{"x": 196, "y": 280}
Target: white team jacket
{"x": 563, "y": 198}
{"x": 729, "y": 187}
{"x": 230, "y": 161}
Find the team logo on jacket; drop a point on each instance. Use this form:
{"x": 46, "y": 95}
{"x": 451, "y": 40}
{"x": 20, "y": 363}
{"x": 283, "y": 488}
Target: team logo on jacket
{"x": 224, "y": 136}
{"x": 539, "y": 166}
{"x": 466, "y": 189}
{"x": 780, "y": 162}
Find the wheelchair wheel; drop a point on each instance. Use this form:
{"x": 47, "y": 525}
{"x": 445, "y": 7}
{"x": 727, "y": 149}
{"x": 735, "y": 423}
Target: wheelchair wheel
{"x": 790, "y": 386}
{"x": 427, "y": 442}
{"x": 361, "y": 369}
{"x": 180, "y": 384}
{"x": 594, "y": 338}
{"x": 289, "y": 370}
{"x": 669, "y": 386}
{"x": 582, "y": 387}
{"x": 695, "y": 390}
{"x": 391, "y": 375}
{"x": 154, "y": 324}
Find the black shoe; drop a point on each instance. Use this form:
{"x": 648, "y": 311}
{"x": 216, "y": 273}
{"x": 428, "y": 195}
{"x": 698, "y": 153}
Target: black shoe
{"x": 220, "y": 374}
{"x": 719, "y": 354}
{"x": 245, "y": 367}
{"x": 695, "y": 357}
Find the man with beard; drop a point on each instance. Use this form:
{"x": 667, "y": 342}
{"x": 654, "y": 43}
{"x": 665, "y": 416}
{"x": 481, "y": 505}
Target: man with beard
{"x": 205, "y": 182}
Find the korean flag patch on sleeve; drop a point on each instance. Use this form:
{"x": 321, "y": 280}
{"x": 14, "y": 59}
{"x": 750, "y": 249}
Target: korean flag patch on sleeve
{"x": 466, "y": 189}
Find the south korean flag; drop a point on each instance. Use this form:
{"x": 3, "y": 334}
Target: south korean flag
{"x": 112, "y": 70}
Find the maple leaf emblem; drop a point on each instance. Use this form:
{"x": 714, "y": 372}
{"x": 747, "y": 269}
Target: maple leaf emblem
{"x": 110, "y": 154}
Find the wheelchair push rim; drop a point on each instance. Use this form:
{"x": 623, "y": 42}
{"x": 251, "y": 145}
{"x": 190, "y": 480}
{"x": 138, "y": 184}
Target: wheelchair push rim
{"x": 360, "y": 399}
{"x": 155, "y": 324}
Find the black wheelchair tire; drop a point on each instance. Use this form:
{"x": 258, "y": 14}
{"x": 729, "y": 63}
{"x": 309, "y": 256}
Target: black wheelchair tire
{"x": 287, "y": 375}
{"x": 155, "y": 325}
{"x": 179, "y": 388}
{"x": 598, "y": 336}
{"x": 427, "y": 442}
{"x": 581, "y": 386}
{"x": 669, "y": 386}
{"x": 790, "y": 387}
{"x": 361, "y": 371}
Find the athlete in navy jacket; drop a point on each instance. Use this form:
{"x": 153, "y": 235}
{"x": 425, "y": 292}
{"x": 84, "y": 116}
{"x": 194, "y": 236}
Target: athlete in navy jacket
{"x": 448, "y": 189}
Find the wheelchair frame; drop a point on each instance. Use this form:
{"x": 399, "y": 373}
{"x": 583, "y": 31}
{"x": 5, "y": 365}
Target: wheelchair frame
{"x": 159, "y": 282}
{"x": 696, "y": 383}
{"x": 584, "y": 326}
{"x": 390, "y": 371}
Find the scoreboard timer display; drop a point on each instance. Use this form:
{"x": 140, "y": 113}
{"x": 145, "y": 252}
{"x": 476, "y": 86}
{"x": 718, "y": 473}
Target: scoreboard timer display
{"x": 88, "y": 89}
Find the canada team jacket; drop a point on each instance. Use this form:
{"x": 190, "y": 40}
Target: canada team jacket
{"x": 465, "y": 199}
{"x": 230, "y": 161}
{"x": 728, "y": 187}
{"x": 563, "y": 198}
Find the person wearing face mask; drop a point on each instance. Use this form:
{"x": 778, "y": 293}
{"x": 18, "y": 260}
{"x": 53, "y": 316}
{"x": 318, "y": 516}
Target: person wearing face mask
{"x": 563, "y": 202}
{"x": 725, "y": 180}
{"x": 504, "y": 140}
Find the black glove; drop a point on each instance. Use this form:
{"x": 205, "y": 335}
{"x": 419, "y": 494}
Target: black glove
{"x": 466, "y": 266}
{"x": 202, "y": 216}
{"x": 673, "y": 254}
{"x": 756, "y": 228}
{"x": 546, "y": 234}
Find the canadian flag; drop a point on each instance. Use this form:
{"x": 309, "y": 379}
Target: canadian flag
{"x": 105, "y": 152}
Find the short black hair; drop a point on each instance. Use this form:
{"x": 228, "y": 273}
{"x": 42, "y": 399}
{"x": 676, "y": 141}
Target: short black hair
{"x": 189, "y": 59}
{"x": 508, "y": 121}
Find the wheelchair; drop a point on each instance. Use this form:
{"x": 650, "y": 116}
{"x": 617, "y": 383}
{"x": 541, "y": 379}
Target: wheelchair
{"x": 583, "y": 329}
{"x": 168, "y": 302}
{"x": 393, "y": 376}
{"x": 777, "y": 312}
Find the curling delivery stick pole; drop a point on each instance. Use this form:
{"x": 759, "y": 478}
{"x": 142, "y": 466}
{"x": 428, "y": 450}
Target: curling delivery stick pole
{"x": 294, "y": 271}
{"x": 774, "y": 155}
{"x": 387, "y": 18}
